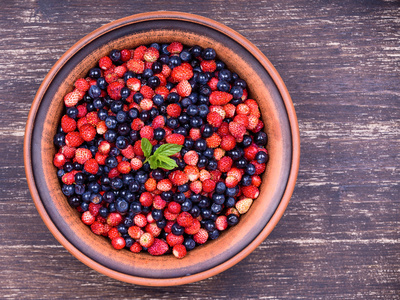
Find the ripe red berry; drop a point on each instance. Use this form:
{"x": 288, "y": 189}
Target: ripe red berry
{"x": 118, "y": 243}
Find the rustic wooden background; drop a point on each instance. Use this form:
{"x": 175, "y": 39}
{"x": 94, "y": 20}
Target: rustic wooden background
{"x": 339, "y": 237}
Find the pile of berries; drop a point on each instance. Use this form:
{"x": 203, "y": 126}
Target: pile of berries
{"x": 167, "y": 94}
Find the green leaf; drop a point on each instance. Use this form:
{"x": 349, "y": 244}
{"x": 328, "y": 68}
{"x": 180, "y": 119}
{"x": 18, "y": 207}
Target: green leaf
{"x": 153, "y": 162}
{"x": 166, "y": 162}
{"x": 146, "y": 147}
{"x": 168, "y": 149}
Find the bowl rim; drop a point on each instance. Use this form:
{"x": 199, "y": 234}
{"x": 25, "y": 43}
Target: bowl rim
{"x": 294, "y": 130}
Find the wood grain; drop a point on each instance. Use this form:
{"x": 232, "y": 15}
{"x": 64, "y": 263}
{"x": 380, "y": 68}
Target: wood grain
{"x": 339, "y": 237}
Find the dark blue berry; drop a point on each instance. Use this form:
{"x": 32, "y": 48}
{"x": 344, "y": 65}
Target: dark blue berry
{"x": 128, "y": 75}
{"x": 135, "y": 207}
{"x": 185, "y": 56}
{"x": 206, "y": 130}
{"x": 214, "y": 234}
{"x": 246, "y": 180}
{"x": 177, "y": 229}
{"x": 161, "y": 223}
{"x": 200, "y": 145}
{"x": 137, "y": 97}
{"x": 167, "y": 196}
{"x": 68, "y": 167}
{"x": 74, "y": 201}
{"x": 96, "y": 198}
{"x": 195, "y": 211}
{"x": 209, "y": 54}
{"x": 230, "y": 202}
{"x": 261, "y": 138}
{"x": 72, "y": 112}
{"x": 116, "y": 183}
{"x": 94, "y": 73}
{"x": 218, "y": 198}
{"x": 158, "y": 100}
{"x": 247, "y": 140}
{"x": 232, "y": 220}
{"x": 59, "y": 140}
{"x": 157, "y": 67}
{"x": 203, "y": 110}
{"x": 237, "y": 92}
{"x": 153, "y": 82}
{"x": 220, "y": 188}
{"x": 196, "y": 51}
{"x": 115, "y": 55}
{"x": 189, "y": 244}
{"x": 94, "y": 91}
{"x": 223, "y": 86}
{"x": 232, "y": 192}
{"x": 187, "y": 205}
{"x": 225, "y": 74}
{"x": 172, "y": 123}
{"x": 157, "y": 214}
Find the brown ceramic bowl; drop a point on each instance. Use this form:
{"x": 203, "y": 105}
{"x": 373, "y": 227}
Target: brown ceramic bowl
{"x": 265, "y": 85}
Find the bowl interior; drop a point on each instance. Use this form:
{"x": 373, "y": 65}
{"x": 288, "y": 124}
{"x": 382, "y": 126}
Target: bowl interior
{"x": 261, "y": 87}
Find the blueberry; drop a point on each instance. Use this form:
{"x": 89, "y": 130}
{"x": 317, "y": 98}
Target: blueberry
{"x": 235, "y": 154}
{"x": 115, "y": 55}
{"x": 141, "y": 177}
{"x": 179, "y": 197}
{"x": 80, "y": 189}
{"x": 96, "y": 198}
{"x": 172, "y": 123}
{"x": 205, "y": 90}
{"x": 185, "y": 102}
{"x": 209, "y": 54}
{"x": 200, "y": 145}
{"x": 187, "y": 205}
{"x": 173, "y": 97}
{"x": 205, "y": 213}
{"x": 204, "y": 100}
{"x": 225, "y": 74}
{"x": 181, "y": 130}
{"x": 94, "y": 73}
{"x": 206, "y": 130}
{"x": 184, "y": 118}
{"x": 241, "y": 163}
{"x": 127, "y": 179}
{"x": 164, "y": 58}
{"x": 59, "y": 140}
{"x": 86, "y": 196}
{"x": 237, "y": 92}
{"x": 232, "y": 220}
{"x": 60, "y": 173}
{"x": 137, "y": 97}
{"x": 153, "y": 82}
{"x": 214, "y": 234}
{"x": 154, "y": 112}
{"x": 111, "y": 122}
{"x": 218, "y": 198}
{"x": 158, "y": 100}
{"x": 177, "y": 229}
{"x": 158, "y": 174}
{"x": 68, "y": 167}
{"x": 133, "y": 113}
{"x": 111, "y": 162}
{"x": 209, "y": 153}
{"x": 111, "y": 207}
{"x": 121, "y": 116}
{"x": 74, "y": 201}
{"x": 203, "y": 110}
{"x": 174, "y": 61}
{"x": 202, "y": 78}
{"x": 261, "y": 138}
{"x": 116, "y": 183}
{"x": 157, "y": 67}
{"x": 195, "y": 198}
{"x": 94, "y": 91}
{"x": 128, "y": 75}
{"x": 129, "y": 242}
{"x": 203, "y": 161}
{"x": 223, "y": 86}
{"x": 209, "y": 225}
{"x": 196, "y": 51}
{"x": 157, "y": 214}
{"x": 167, "y": 196}
{"x": 196, "y": 122}
{"x": 84, "y": 206}
{"x": 195, "y": 211}
{"x": 122, "y": 142}
{"x": 246, "y": 180}
{"x": 115, "y": 152}
{"x": 250, "y": 169}
{"x": 145, "y": 115}
{"x": 123, "y": 129}
{"x": 121, "y": 205}
{"x": 232, "y": 192}
{"x": 134, "y": 186}
{"x": 161, "y": 223}
{"x": 220, "y": 65}
{"x": 188, "y": 143}
{"x": 192, "y": 110}
{"x": 212, "y": 165}
{"x": 230, "y": 202}
{"x": 102, "y": 114}
{"x": 204, "y": 202}
{"x": 247, "y": 140}
{"x": 125, "y": 92}
{"x": 189, "y": 244}
{"x": 135, "y": 207}
{"x": 72, "y": 112}
{"x": 185, "y": 56}
{"x": 169, "y": 85}
{"x": 220, "y": 188}
{"x": 183, "y": 188}
{"x": 94, "y": 187}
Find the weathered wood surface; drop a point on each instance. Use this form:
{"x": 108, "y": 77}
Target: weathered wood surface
{"x": 339, "y": 237}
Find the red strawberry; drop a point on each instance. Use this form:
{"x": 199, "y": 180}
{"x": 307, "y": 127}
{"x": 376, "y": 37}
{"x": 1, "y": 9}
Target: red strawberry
{"x": 204, "y": 175}
{"x": 92, "y": 118}
{"x": 256, "y": 180}
{"x": 72, "y": 98}
{"x": 97, "y": 228}
{"x": 68, "y": 124}
{"x": 260, "y": 168}
{"x": 178, "y": 177}
{"x": 218, "y": 109}
{"x": 174, "y": 207}
{"x": 135, "y": 65}
{"x": 82, "y": 155}
{"x": 118, "y": 243}
{"x": 213, "y": 141}
{"x": 184, "y": 88}
{"x": 250, "y": 191}
{"x": 175, "y": 48}
{"x": 136, "y": 163}
{"x": 230, "y": 110}
{"x": 104, "y": 147}
{"x": 136, "y": 247}
{"x": 139, "y": 52}
{"x": 253, "y": 106}
{"x": 180, "y": 73}
{"x": 59, "y": 160}
{"x": 82, "y": 85}
{"x": 242, "y": 109}
{"x": 253, "y": 122}
{"x": 185, "y": 219}
{"x": 237, "y": 129}
{"x": 135, "y": 232}
{"x": 94, "y": 209}
{"x": 73, "y": 139}
{"x": 175, "y": 138}
{"x": 191, "y": 158}
{"x": 91, "y": 166}
{"x": 192, "y": 172}
{"x": 151, "y": 54}
{"x": 242, "y": 119}
{"x": 169, "y": 216}
{"x": 179, "y": 251}
{"x": 153, "y": 229}
{"x": 220, "y": 98}
{"x": 159, "y": 247}
{"x": 194, "y": 228}
{"x": 231, "y": 181}
{"x": 250, "y": 152}
{"x": 124, "y": 167}
{"x": 159, "y": 203}
{"x": 166, "y": 71}
{"x": 208, "y": 65}
{"x": 137, "y": 124}
{"x": 195, "y": 134}
{"x": 147, "y": 92}
{"x": 174, "y": 110}
{"x": 82, "y": 121}
{"x": 101, "y": 128}
{"x": 201, "y": 237}
{"x": 125, "y": 55}
{"x": 113, "y": 233}
{"x": 208, "y": 185}
{"x": 243, "y": 205}
{"x": 114, "y": 90}
{"x": 232, "y": 211}
{"x": 221, "y": 223}
{"x": 111, "y": 77}
{"x": 82, "y": 111}
{"x": 146, "y": 104}
{"x": 196, "y": 187}
{"x": 214, "y": 119}
{"x": 114, "y": 219}
{"x": 147, "y": 132}
{"x": 120, "y": 71}
{"x": 219, "y": 153}
{"x": 140, "y": 220}
{"x": 87, "y": 132}
{"x": 163, "y": 80}
{"x": 105, "y": 63}
{"x": 137, "y": 148}
{"x": 212, "y": 83}
{"x": 228, "y": 142}
{"x": 68, "y": 178}
{"x": 100, "y": 158}
{"x": 223, "y": 129}
{"x": 146, "y": 199}
{"x": 134, "y": 84}
{"x": 164, "y": 185}
{"x": 150, "y": 184}
{"x": 173, "y": 239}
{"x": 225, "y": 164}
{"x": 68, "y": 151}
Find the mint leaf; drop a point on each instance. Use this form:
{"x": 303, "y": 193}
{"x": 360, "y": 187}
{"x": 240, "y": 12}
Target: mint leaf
{"x": 146, "y": 147}
{"x": 153, "y": 162}
{"x": 168, "y": 149}
{"x": 166, "y": 162}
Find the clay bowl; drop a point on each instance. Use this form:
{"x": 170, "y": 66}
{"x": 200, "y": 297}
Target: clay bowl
{"x": 265, "y": 85}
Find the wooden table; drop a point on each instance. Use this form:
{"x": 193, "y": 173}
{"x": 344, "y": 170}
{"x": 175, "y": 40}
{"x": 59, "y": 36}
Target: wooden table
{"x": 339, "y": 237}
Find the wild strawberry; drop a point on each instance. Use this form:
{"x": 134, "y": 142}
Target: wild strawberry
{"x": 114, "y": 219}
{"x": 184, "y": 88}
{"x": 220, "y": 98}
{"x": 204, "y": 175}
{"x": 166, "y": 71}
{"x": 159, "y": 247}
{"x": 260, "y": 168}
{"x": 113, "y": 233}
{"x": 196, "y": 187}
{"x": 214, "y": 119}
{"x": 146, "y": 104}
{"x": 256, "y": 180}
{"x": 231, "y": 181}
{"x": 219, "y": 153}
{"x": 192, "y": 172}
{"x": 201, "y": 236}
{"x": 180, "y": 73}
{"x": 82, "y": 155}
{"x": 68, "y": 124}
{"x": 225, "y": 164}
{"x": 95, "y": 209}
{"x": 136, "y": 247}
{"x": 194, "y": 228}
{"x": 150, "y": 184}
{"x": 179, "y": 251}
{"x": 250, "y": 191}
{"x": 151, "y": 54}
{"x": 223, "y": 129}
{"x": 252, "y": 122}
{"x": 250, "y": 152}
{"x": 173, "y": 239}
{"x": 230, "y": 110}
{"x": 113, "y": 173}
{"x": 158, "y": 122}
{"x": 111, "y": 77}
{"x": 178, "y": 177}
{"x": 175, "y": 138}
{"x": 139, "y": 52}
{"x": 174, "y": 110}
{"x": 213, "y": 141}
{"x": 242, "y": 119}
{"x": 253, "y": 106}
{"x": 215, "y": 175}
{"x": 228, "y": 142}
{"x": 92, "y": 118}
{"x": 169, "y": 216}
{"x": 146, "y": 199}
{"x": 175, "y": 48}
{"x": 59, "y": 160}
{"x": 159, "y": 203}
{"x": 137, "y": 148}
{"x": 147, "y": 132}
{"x": 221, "y": 223}
{"x": 134, "y": 84}
{"x": 118, "y": 243}
{"x": 243, "y": 205}
{"x": 97, "y": 228}
{"x": 140, "y": 220}
{"x": 72, "y": 98}
{"x": 73, "y": 139}
{"x": 82, "y": 121}
{"x": 87, "y": 132}
{"x": 185, "y": 219}
{"x": 242, "y": 109}
{"x": 174, "y": 207}
{"x": 125, "y": 55}
{"x": 191, "y": 158}
{"x": 82, "y": 110}
{"x": 136, "y": 163}
{"x": 137, "y": 124}
{"x": 101, "y": 128}
{"x": 213, "y": 83}
{"x": 120, "y": 71}
{"x": 232, "y": 211}
{"x": 82, "y": 85}
{"x": 208, "y": 65}
{"x": 237, "y": 129}
{"x": 68, "y": 178}
{"x": 135, "y": 232}
{"x": 135, "y": 65}
{"x": 87, "y": 218}
{"x": 91, "y": 166}
{"x": 105, "y": 63}
{"x": 164, "y": 185}
{"x": 163, "y": 80}
{"x": 208, "y": 185}
{"x": 124, "y": 167}
{"x": 153, "y": 229}
{"x": 68, "y": 151}
{"x": 195, "y": 134}
{"x": 218, "y": 109}
{"x": 147, "y": 92}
